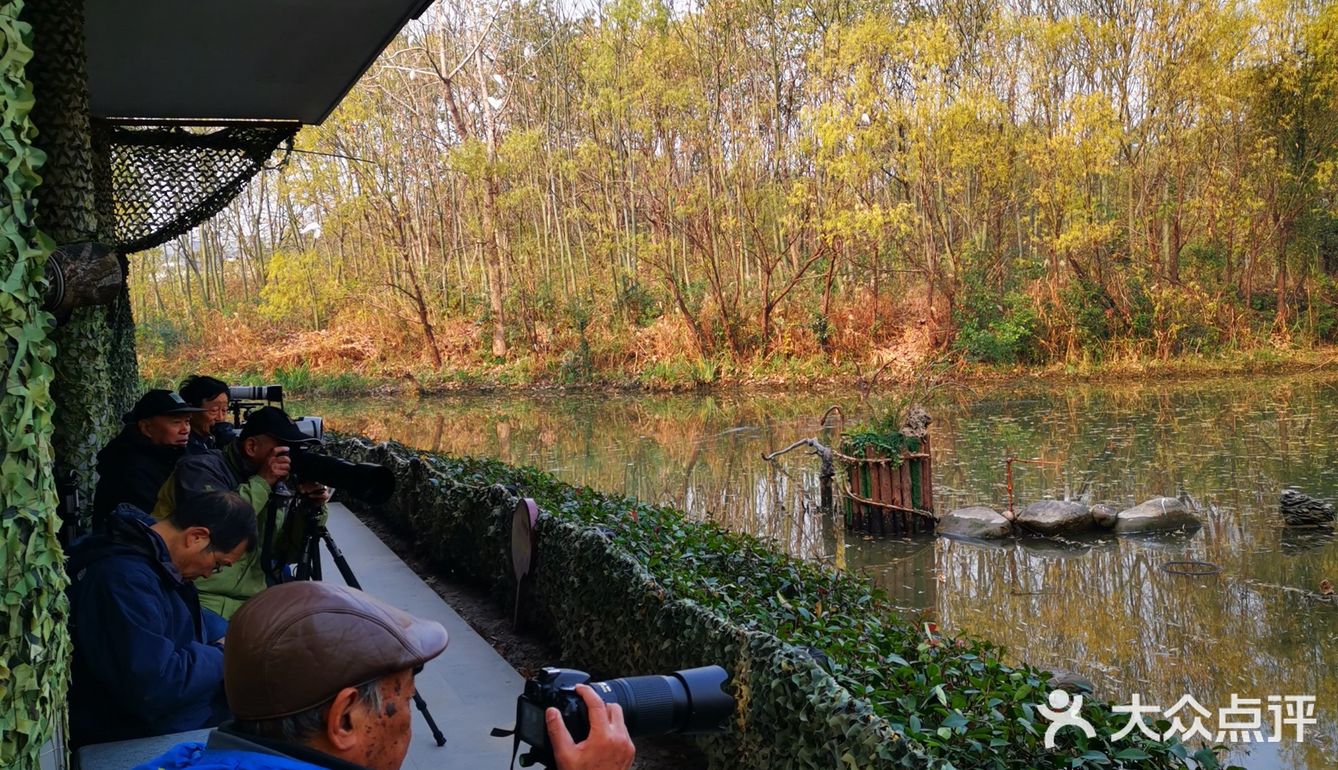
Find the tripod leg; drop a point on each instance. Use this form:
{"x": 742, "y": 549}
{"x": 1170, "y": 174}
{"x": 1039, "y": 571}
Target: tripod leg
{"x": 309, "y": 563}
{"x": 314, "y": 557}
{"x": 431, "y": 723}
{"x": 341, "y": 563}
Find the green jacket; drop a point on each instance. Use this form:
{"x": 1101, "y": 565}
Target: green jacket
{"x": 227, "y": 470}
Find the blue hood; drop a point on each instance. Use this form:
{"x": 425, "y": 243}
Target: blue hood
{"x": 195, "y": 757}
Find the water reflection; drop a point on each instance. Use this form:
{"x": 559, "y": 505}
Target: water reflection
{"x": 1104, "y": 607}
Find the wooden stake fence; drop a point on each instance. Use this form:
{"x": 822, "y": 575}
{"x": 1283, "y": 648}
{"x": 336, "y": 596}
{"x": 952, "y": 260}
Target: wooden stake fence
{"x": 890, "y": 496}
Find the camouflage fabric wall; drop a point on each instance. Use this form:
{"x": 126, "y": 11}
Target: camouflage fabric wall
{"x": 95, "y": 371}
{"x": 34, "y": 646}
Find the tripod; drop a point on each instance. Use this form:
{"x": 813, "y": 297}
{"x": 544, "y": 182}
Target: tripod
{"x": 309, "y": 568}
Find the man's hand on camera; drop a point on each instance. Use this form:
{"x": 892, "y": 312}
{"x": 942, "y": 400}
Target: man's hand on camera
{"x": 276, "y": 466}
{"x": 608, "y": 746}
{"x": 314, "y": 491}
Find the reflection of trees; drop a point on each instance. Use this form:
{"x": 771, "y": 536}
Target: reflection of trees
{"x": 699, "y": 453}
{"x": 1107, "y": 610}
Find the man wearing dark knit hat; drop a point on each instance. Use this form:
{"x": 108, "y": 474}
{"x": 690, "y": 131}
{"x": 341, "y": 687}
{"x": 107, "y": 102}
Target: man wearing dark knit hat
{"x": 321, "y": 676}
{"x": 134, "y": 464}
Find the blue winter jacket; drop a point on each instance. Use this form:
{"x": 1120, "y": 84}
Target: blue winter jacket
{"x": 196, "y": 757}
{"x": 143, "y": 662}
{"x": 227, "y": 750}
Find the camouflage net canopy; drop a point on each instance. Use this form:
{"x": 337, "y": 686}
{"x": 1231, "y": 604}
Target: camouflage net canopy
{"x": 166, "y": 180}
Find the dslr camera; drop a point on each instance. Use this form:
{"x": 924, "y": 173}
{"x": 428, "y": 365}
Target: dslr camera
{"x": 689, "y": 701}
{"x": 368, "y": 482}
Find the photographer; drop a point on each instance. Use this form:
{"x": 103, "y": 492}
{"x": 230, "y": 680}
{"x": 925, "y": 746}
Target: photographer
{"x": 253, "y": 466}
{"x": 321, "y": 676}
{"x": 211, "y": 396}
{"x": 134, "y": 464}
{"x": 147, "y": 659}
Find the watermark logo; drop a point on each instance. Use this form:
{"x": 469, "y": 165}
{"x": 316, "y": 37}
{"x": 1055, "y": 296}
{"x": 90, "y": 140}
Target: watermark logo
{"x": 1241, "y": 722}
{"x": 1064, "y": 712}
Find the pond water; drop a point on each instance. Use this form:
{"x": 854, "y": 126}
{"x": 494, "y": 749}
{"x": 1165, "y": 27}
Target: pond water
{"x": 1105, "y": 608}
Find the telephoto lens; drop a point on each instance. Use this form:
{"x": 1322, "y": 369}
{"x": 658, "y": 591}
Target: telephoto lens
{"x": 255, "y": 393}
{"x": 369, "y": 482}
{"x": 689, "y": 701}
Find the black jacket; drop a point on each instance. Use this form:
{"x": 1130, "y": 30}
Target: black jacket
{"x": 198, "y": 445}
{"x": 131, "y": 470}
{"x": 143, "y": 659}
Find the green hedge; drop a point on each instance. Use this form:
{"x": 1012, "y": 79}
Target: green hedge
{"x": 825, "y": 673}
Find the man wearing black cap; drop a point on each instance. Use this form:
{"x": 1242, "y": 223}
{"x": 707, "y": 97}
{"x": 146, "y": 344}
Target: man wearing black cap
{"x": 251, "y": 466}
{"x": 134, "y": 464}
{"x": 321, "y": 676}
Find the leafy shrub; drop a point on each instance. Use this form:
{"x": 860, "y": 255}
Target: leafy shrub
{"x": 822, "y": 330}
{"x": 299, "y": 288}
{"x": 996, "y": 330}
{"x": 1318, "y": 316}
{"x": 639, "y": 303}
{"x": 1087, "y": 306}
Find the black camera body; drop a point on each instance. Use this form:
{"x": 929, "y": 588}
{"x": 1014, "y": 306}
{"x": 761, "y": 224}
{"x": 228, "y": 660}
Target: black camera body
{"x": 224, "y": 433}
{"x": 688, "y": 701}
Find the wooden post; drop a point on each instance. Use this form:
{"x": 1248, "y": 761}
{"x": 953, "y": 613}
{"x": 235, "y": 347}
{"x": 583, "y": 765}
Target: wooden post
{"x": 869, "y": 492}
{"x": 906, "y": 484}
{"x": 894, "y": 493}
{"x": 927, "y": 479}
{"x": 853, "y": 480}
{"x": 885, "y": 494}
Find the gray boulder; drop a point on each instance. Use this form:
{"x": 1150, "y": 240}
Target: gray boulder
{"x": 1055, "y": 517}
{"x": 1104, "y": 516}
{"x": 1061, "y": 679}
{"x": 977, "y": 521}
{"x": 1302, "y": 510}
{"x": 1160, "y": 514}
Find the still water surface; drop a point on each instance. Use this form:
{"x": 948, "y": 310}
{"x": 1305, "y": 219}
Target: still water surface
{"x": 1105, "y": 609}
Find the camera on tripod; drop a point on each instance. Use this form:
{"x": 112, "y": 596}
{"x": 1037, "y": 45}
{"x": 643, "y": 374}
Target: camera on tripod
{"x": 688, "y": 702}
{"x": 369, "y": 482}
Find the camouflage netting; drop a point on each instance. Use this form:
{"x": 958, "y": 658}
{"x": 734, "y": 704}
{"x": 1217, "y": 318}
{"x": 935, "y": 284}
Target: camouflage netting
{"x": 166, "y": 180}
{"x": 33, "y": 643}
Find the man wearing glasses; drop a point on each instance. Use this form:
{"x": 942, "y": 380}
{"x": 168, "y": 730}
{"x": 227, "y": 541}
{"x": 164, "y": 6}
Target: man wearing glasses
{"x": 147, "y": 659}
{"x": 211, "y": 396}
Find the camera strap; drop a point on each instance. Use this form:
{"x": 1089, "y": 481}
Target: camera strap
{"x": 498, "y": 732}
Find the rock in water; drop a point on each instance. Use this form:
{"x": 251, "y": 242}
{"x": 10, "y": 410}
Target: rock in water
{"x": 1055, "y": 517}
{"x": 1159, "y": 514}
{"x": 1104, "y": 516}
{"x": 978, "y": 521}
{"x": 916, "y": 423}
{"x": 1301, "y": 510}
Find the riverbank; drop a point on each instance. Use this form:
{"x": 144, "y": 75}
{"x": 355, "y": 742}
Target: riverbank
{"x": 816, "y": 374}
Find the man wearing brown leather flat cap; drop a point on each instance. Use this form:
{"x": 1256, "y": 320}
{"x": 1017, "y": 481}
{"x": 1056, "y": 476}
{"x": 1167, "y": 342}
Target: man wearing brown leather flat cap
{"x": 321, "y": 676}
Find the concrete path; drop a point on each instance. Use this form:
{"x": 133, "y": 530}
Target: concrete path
{"x": 469, "y": 689}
